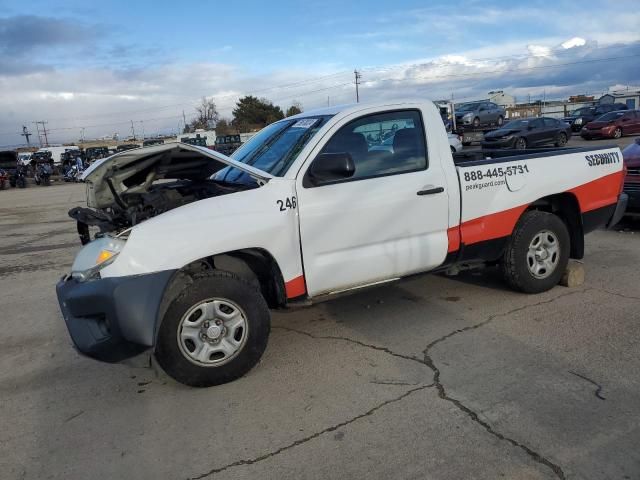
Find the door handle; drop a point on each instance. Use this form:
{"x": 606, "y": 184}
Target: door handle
{"x": 431, "y": 191}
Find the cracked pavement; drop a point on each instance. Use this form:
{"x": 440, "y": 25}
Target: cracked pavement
{"x": 431, "y": 377}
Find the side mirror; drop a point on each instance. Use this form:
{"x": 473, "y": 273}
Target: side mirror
{"x": 330, "y": 167}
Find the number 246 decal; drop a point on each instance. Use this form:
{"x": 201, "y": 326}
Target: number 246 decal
{"x": 288, "y": 203}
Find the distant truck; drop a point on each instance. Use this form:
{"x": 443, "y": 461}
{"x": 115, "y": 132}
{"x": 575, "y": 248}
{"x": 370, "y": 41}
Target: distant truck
{"x": 56, "y": 152}
{"x": 227, "y": 144}
{"x": 200, "y": 138}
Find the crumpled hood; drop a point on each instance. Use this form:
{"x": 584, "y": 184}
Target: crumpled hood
{"x": 503, "y": 132}
{"x": 135, "y": 170}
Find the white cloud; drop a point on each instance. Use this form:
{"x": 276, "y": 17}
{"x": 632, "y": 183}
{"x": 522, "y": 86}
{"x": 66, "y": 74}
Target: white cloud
{"x": 574, "y": 42}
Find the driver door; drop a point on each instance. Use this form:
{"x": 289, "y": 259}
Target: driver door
{"x": 388, "y": 220}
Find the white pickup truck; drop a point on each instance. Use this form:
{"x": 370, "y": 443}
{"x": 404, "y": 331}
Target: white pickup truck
{"x": 194, "y": 247}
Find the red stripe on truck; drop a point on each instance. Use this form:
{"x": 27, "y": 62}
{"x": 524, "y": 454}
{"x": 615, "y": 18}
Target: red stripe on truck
{"x": 495, "y": 225}
{"x": 599, "y": 193}
{"x": 295, "y": 287}
{"x": 602, "y": 192}
{"x": 453, "y": 235}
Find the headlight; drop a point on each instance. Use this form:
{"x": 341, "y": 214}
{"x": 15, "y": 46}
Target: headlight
{"x": 95, "y": 256}
{"x": 467, "y": 115}
{"x": 578, "y": 121}
{"x": 506, "y": 137}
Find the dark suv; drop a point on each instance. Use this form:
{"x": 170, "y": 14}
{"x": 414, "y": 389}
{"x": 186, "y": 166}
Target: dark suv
{"x": 580, "y": 117}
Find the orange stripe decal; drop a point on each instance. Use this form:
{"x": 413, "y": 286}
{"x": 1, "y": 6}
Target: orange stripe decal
{"x": 599, "y": 193}
{"x": 295, "y": 287}
{"x": 495, "y": 225}
{"x": 453, "y": 235}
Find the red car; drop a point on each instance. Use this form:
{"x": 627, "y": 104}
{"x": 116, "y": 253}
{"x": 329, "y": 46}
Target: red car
{"x": 612, "y": 125}
{"x": 631, "y": 156}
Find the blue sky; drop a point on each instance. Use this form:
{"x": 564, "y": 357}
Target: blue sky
{"x": 94, "y": 65}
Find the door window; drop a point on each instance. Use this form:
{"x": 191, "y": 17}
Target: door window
{"x": 550, "y": 122}
{"x": 382, "y": 144}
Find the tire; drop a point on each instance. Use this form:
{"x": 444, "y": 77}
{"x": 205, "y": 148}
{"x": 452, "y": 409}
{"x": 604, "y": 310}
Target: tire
{"x": 186, "y": 318}
{"x": 519, "y": 264}
{"x": 617, "y": 133}
{"x": 520, "y": 144}
{"x": 500, "y": 120}
{"x": 453, "y": 150}
{"x": 561, "y": 140}
{"x": 476, "y": 122}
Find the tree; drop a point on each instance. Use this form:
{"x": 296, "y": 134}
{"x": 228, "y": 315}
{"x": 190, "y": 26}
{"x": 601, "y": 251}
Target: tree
{"x": 294, "y": 109}
{"x": 207, "y": 115}
{"x": 223, "y": 127}
{"x": 252, "y": 113}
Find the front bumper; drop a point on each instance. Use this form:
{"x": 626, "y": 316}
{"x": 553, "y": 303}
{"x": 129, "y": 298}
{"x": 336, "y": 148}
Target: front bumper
{"x": 115, "y": 318}
{"x": 620, "y": 210}
{"x": 501, "y": 143}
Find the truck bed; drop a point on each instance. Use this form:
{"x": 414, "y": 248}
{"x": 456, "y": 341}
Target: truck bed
{"x": 494, "y": 156}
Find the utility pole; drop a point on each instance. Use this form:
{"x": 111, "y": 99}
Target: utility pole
{"x": 82, "y": 135}
{"x": 25, "y": 133}
{"x": 358, "y": 76}
{"x": 328, "y": 101}
{"x": 44, "y": 131}
{"x": 184, "y": 119}
{"x": 133, "y": 131}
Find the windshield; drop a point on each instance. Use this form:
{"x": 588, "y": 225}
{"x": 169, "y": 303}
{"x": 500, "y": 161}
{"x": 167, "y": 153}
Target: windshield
{"x": 582, "y": 111}
{"x": 469, "y": 107}
{"x": 607, "y": 117}
{"x": 517, "y": 124}
{"x": 273, "y": 149}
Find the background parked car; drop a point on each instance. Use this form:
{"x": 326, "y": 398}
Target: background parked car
{"x": 580, "y": 117}
{"x": 527, "y": 133}
{"x": 8, "y": 164}
{"x": 478, "y": 114}
{"x": 455, "y": 142}
{"x": 631, "y": 156}
{"x": 612, "y": 125}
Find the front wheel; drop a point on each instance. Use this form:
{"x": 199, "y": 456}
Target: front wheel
{"x": 537, "y": 253}
{"x": 476, "y": 122}
{"x": 500, "y": 120}
{"x": 617, "y": 133}
{"x": 521, "y": 143}
{"x": 213, "y": 332}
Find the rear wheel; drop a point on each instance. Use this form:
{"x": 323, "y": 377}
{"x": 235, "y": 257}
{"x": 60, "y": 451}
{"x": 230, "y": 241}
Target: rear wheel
{"x": 537, "y": 253}
{"x": 561, "y": 141}
{"x": 521, "y": 143}
{"x": 500, "y": 120}
{"x": 617, "y": 133}
{"x": 476, "y": 122}
{"x": 213, "y": 332}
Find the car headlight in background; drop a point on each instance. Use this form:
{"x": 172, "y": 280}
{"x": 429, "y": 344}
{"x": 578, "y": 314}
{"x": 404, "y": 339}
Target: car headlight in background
{"x": 578, "y": 121}
{"x": 467, "y": 115}
{"x": 94, "y": 256}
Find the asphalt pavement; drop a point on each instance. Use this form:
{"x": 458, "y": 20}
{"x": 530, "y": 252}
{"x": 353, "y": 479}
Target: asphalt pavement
{"x": 432, "y": 377}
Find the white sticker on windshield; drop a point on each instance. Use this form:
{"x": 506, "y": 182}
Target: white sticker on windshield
{"x": 304, "y": 123}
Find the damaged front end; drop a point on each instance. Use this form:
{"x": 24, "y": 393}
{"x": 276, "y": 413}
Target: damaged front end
{"x": 133, "y": 186}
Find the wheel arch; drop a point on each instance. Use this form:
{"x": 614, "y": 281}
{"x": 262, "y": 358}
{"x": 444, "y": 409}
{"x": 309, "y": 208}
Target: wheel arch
{"x": 255, "y": 265}
{"x": 565, "y": 205}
